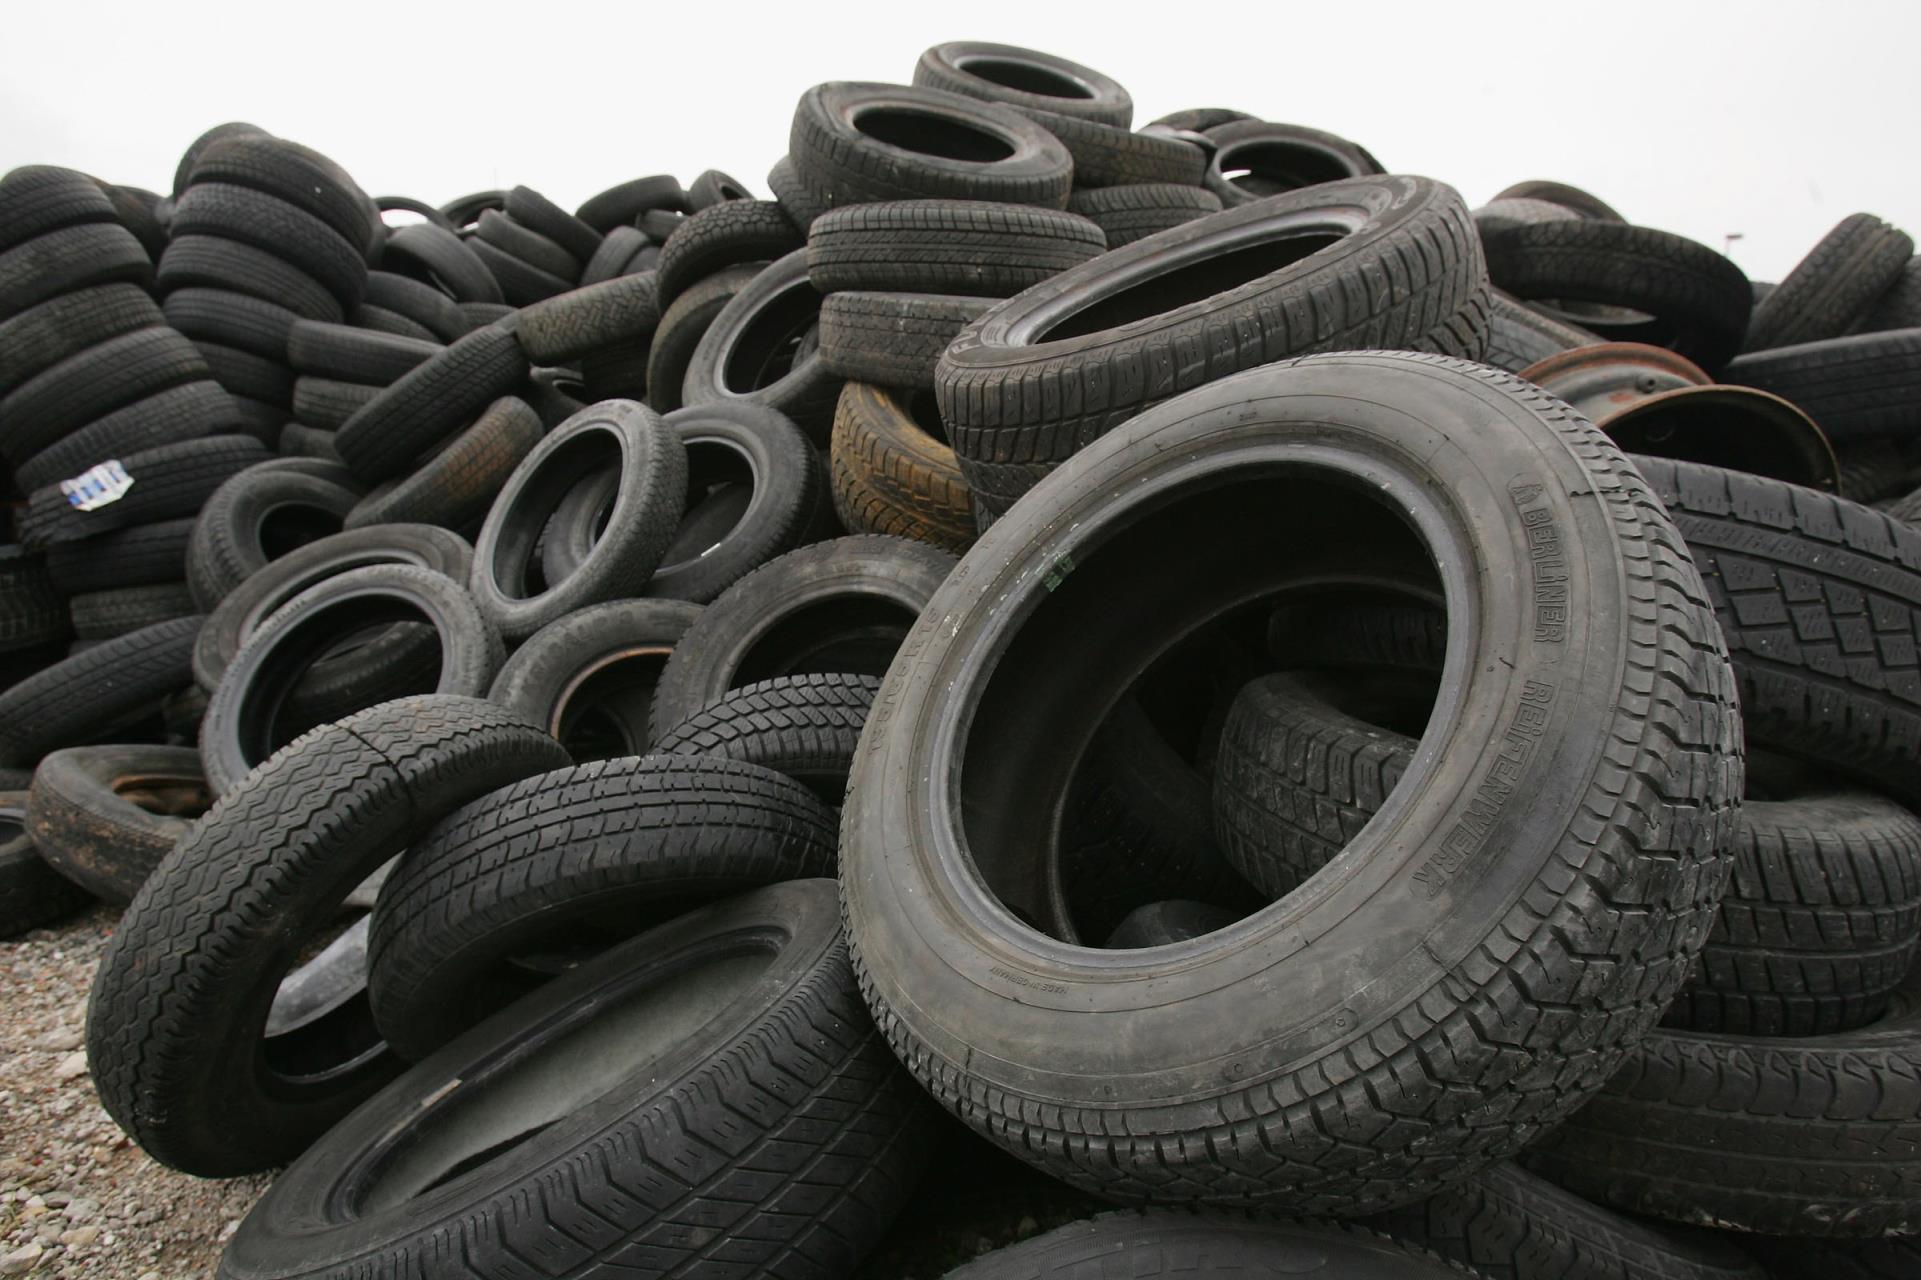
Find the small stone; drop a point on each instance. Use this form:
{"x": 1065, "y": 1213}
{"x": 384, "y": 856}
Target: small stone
{"x": 80, "y": 1236}
{"x": 233, "y": 1225}
{"x": 74, "y": 1064}
{"x": 22, "y": 1260}
{"x": 63, "y": 1039}
{"x": 79, "y": 1209}
{"x": 57, "y": 1199}
{"x": 148, "y": 1275}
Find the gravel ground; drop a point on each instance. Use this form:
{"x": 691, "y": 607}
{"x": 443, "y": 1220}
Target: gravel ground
{"x": 76, "y": 1197}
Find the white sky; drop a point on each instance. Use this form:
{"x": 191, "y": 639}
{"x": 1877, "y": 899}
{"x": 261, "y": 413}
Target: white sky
{"x": 1769, "y": 118}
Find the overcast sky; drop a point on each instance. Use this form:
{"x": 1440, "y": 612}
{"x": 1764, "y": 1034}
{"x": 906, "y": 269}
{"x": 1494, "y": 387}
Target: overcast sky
{"x": 1772, "y": 120}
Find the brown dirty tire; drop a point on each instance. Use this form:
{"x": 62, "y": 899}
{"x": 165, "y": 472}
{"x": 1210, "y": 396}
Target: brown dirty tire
{"x": 1520, "y": 954}
{"x": 738, "y": 1113}
{"x": 892, "y": 474}
{"x": 1809, "y": 1136}
{"x": 1831, "y": 288}
{"x": 104, "y": 817}
{"x": 967, "y": 247}
{"x": 724, "y": 235}
{"x": 892, "y": 339}
{"x": 99, "y": 689}
{"x": 1138, "y": 210}
{"x": 568, "y": 863}
{"x": 1507, "y": 1224}
{"x": 1820, "y": 600}
{"x": 431, "y": 402}
{"x": 176, "y": 1025}
{"x": 806, "y": 727}
{"x": 31, "y": 892}
{"x": 454, "y": 488}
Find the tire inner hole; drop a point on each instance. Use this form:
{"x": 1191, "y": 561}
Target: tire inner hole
{"x": 1028, "y": 77}
{"x": 773, "y": 341}
{"x": 856, "y": 633}
{"x": 1189, "y": 283}
{"x": 1269, "y": 168}
{"x": 931, "y": 134}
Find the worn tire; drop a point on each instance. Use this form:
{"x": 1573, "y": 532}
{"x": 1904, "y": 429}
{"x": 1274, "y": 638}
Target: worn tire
{"x": 454, "y": 488}
{"x": 892, "y": 475}
{"x": 1024, "y": 78}
{"x": 682, "y": 325}
{"x": 892, "y": 339}
{"x": 1857, "y": 388}
{"x": 946, "y": 246}
{"x": 96, "y": 691}
{"x": 1278, "y": 158}
{"x": 806, "y": 727}
{"x": 1135, "y": 211}
{"x": 101, "y": 615}
{"x": 725, "y": 235}
{"x": 1160, "y": 1242}
{"x": 215, "y": 262}
{"x": 1833, "y": 287}
{"x": 589, "y": 319}
{"x": 254, "y": 517}
{"x": 751, "y": 351}
{"x": 431, "y": 402}
{"x": 40, "y": 337}
{"x": 105, "y": 817}
{"x": 31, "y": 892}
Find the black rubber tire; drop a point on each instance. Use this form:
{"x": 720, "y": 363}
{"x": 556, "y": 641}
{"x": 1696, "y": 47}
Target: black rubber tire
{"x": 136, "y": 556}
{"x": 275, "y": 226}
{"x": 1892, "y": 1258}
{"x": 1164, "y": 1242}
{"x": 1273, "y": 158}
{"x": 1832, "y": 288}
{"x": 682, "y": 325}
{"x": 215, "y": 262}
{"x": 478, "y": 315}
{"x": 590, "y": 319}
{"x": 104, "y": 817}
{"x": 170, "y": 482}
{"x": 539, "y": 214}
{"x": 589, "y": 677}
{"x": 946, "y": 246}
{"x": 292, "y": 173}
{"x": 749, "y": 352}
{"x": 183, "y": 413}
{"x": 31, "y": 611}
{"x": 441, "y": 258}
{"x": 454, "y": 488}
{"x": 713, "y": 187}
{"x": 974, "y": 1000}
{"x": 38, "y": 198}
{"x": 840, "y": 606}
{"x": 31, "y": 892}
{"x": 517, "y": 240}
{"x": 41, "y": 337}
{"x": 616, "y": 251}
{"x": 1820, "y": 600}
{"x": 248, "y": 377}
{"x": 649, "y": 497}
{"x": 407, "y": 204}
{"x": 1008, "y": 434}
{"x": 376, "y": 319}
{"x": 259, "y": 514}
{"x": 1507, "y": 1224}
{"x": 892, "y": 475}
{"x": 892, "y": 339}
{"x": 1519, "y": 337}
{"x": 175, "y": 1025}
{"x": 101, "y": 615}
{"x": 1198, "y": 119}
{"x": 1898, "y": 307}
{"x": 1856, "y": 388}
{"x": 781, "y": 1114}
{"x": 431, "y": 402}
{"x": 86, "y": 387}
{"x": 1799, "y": 1137}
{"x": 1583, "y": 203}
{"x": 985, "y": 151}
{"x": 1106, "y": 156}
{"x": 464, "y": 211}
{"x": 67, "y": 260}
{"x": 232, "y": 319}
{"x": 1134, "y": 211}
{"x": 622, "y": 204}
{"x": 325, "y": 404}
{"x": 803, "y": 204}
{"x": 725, "y": 235}
{"x": 1024, "y": 78}
{"x": 96, "y": 691}
{"x": 521, "y": 283}
{"x": 1687, "y": 296}
{"x": 806, "y": 727}
{"x": 349, "y": 354}
{"x": 298, "y": 440}
{"x": 183, "y": 171}
{"x": 573, "y": 861}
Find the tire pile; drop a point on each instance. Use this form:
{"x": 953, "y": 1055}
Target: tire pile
{"x": 1412, "y": 770}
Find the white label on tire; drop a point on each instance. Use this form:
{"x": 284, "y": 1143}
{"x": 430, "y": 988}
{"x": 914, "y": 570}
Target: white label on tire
{"x": 97, "y": 486}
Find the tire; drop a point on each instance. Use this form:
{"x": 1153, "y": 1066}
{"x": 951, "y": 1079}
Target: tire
{"x": 184, "y": 413}
{"x": 104, "y": 817}
{"x": 521, "y": 283}
{"x": 616, "y": 251}
{"x": 682, "y": 326}
{"x": 892, "y": 475}
{"x": 465, "y": 211}
{"x": 622, "y": 204}
{"x": 649, "y": 497}
{"x": 1646, "y": 827}
{"x": 547, "y": 867}
{"x": 407, "y": 204}
{"x": 713, "y": 187}
{"x": 31, "y": 892}
{"x": 1519, "y": 211}
{"x": 778, "y": 1111}
{"x": 430, "y": 403}
{"x": 749, "y": 354}
{"x": 289, "y": 172}
{"x": 454, "y": 488}
{"x": 1833, "y": 287}
{"x": 245, "y": 721}
{"x": 230, "y": 319}
{"x": 1519, "y": 337}
{"x": 347, "y": 354}
{"x": 87, "y": 387}
{"x": 1574, "y": 199}
{"x": 892, "y": 339}
{"x": 802, "y": 203}
{"x": 1278, "y": 158}
{"x": 590, "y": 319}
{"x": 1198, "y": 119}
{"x": 31, "y": 611}
{"x": 725, "y": 235}
{"x": 38, "y": 198}
{"x": 41, "y": 337}
{"x": 1690, "y": 297}
{"x": 1887, "y": 1259}
{"x": 1821, "y": 919}
{"x": 101, "y": 615}
{"x": 805, "y": 727}
{"x": 298, "y": 440}
{"x": 1007, "y": 433}
{"x": 1134, "y": 211}
{"x": 215, "y": 262}
{"x": 103, "y": 688}
{"x": 517, "y": 240}
{"x": 1507, "y": 1224}
{"x": 258, "y": 516}
{"x": 589, "y": 677}
{"x": 275, "y": 226}
{"x": 443, "y": 259}
{"x": 478, "y": 315}
{"x": 1856, "y": 388}
{"x": 137, "y": 556}
{"x": 174, "y": 1028}
{"x": 840, "y": 606}
{"x": 67, "y": 260}
{"x": 1899, "y": 306}
{"x": 539, "y": 214}
{"x": 1818, "y": 597}
{"x": 249, "y": 377}
{"x": 170, "y": 482}
{"x": 382, "y": 320}
{"x": 326, "y": 405}
{"x": 1106, "y": 156}
{"x": 1802, "y": 1137}
{"x": 849, "y": 165}
{"x": 1164, "y": 1242}
{"x": 946, "y": 246}
{"x": 1159, "y": 924}
{"x": 1020, "y": 77}
{"x": 183, "y": 171}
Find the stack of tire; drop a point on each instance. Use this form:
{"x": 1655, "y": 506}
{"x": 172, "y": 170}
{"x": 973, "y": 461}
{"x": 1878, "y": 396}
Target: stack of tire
{"x": 533, "y": 248}
{"x": 336, "y": 370}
